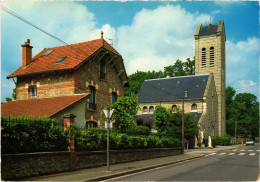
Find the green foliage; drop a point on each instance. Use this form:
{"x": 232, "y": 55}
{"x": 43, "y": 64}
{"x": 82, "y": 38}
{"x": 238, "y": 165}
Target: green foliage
{"x": 243, "y": 108}
{"x": 28, "y": 134}
{"x": 163, "y": 120}
{"x": 90, "y": 139}
{"x": 179, "y": 68}
{"x": 218, "y": 140}
{"x": 7, "y": 99}
{"x": 125, "y": 110}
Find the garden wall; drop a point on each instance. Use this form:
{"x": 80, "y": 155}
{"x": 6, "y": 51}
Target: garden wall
{"x": 20, "y": 166}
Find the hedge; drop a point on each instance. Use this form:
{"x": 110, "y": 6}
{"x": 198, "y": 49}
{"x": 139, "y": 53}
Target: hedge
{"x": 218, "y": 140}
{"x": 28, "y": 134}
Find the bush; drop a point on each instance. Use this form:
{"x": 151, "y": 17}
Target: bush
{"x": 28, "y": 134}
{"x": 138, "y": 130}
{"x": 218, "y": 140}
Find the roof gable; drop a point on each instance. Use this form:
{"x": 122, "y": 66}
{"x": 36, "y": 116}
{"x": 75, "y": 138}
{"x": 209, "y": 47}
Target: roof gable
{"x": 40, "y": 106}
{"x": 210, "y": 29}
{"x": 170, "y": 89}
{"x": 75, "y": 55}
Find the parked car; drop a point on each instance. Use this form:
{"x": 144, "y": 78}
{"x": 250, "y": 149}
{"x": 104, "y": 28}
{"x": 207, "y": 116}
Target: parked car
{"x": 250, "y": 142}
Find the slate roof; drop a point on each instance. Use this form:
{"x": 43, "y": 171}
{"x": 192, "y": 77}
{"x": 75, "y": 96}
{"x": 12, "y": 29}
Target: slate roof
{"x": 40, "y": 106}
{"x": 75, "y": 55}
{"x": 170, "y": 89}
{"x": 210, "y": 29}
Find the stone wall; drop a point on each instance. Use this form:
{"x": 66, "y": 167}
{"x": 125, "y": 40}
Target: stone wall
{"x": 21, "y": 166}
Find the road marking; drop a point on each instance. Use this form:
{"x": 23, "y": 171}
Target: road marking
{"x": 258, "y": 150}
{"x": 242, "y": 154}
{"x": 242, "y": 150}
{"x": 234, "y": 150}
{"x": 212, "y": 153}
{"x": 250, "y": 150}
{"x": 231, "y": 154}
{"x": 252, "y": 154}
{"x": 221, "y": 153}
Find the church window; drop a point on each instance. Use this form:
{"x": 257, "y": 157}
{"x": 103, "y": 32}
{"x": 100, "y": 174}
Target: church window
{"x": 203, "y": 56}
{"x": 211, "y": 56}
{"x": 174, "y": 108}
{"x": 194, "y": 107}
{"x": 151, "y": 109}
{"x": 145, "y": 109}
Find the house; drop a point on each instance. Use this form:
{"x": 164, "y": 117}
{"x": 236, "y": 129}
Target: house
{"x": 89, "y": 75}
{"x": 205, "y": 90}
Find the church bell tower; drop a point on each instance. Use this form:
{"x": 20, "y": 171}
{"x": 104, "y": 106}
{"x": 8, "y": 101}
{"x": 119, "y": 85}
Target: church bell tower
{"x": 210, "y": 50}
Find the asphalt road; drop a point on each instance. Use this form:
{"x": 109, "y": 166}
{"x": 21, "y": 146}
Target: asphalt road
{"x": 240, "y": 164}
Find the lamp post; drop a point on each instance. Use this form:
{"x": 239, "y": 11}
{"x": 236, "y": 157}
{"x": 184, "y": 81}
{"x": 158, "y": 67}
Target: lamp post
{"x": 108, "y": 113}
{"x": 182, "y": 133}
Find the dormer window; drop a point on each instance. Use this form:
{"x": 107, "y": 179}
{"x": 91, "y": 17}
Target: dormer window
{"x": 102, "y": 69}
{"x": 47, "y": 52}
{"x": 32, "y": 90}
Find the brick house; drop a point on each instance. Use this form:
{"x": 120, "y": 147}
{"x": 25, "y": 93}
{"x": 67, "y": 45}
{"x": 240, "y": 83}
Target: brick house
{"x": 92, "y": 73}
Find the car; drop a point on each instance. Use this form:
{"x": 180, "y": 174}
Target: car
{"x": 250, "y": 142}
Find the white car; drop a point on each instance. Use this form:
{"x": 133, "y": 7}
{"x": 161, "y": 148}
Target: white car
{"x": 250, "y": 142}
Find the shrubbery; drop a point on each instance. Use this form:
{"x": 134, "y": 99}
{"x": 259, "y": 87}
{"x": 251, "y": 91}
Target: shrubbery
{"x": 218, "y": 140}
{"x": 28, "y": 134}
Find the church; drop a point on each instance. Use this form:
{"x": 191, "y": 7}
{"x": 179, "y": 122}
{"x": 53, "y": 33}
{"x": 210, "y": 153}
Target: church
{"x": 203, "y": 93}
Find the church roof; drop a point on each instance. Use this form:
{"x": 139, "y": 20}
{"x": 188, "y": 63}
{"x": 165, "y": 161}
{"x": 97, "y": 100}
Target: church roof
{"x": 210, "y": 29}
{"x": 170, "y": 89}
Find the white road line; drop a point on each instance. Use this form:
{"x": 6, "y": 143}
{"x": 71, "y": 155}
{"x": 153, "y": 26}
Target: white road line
{"x": 234, "y": 150}
{"x": 252, "y": 154}
{"x": 258, "y": 150}
{"x": 250, "y": 150}
{"x": 212, "y": 153}
{"x": 242, "y": 150}
{"x": 231, "y": 154}
{"x": 221, "y": 153}
{"x": 242, "y": 154}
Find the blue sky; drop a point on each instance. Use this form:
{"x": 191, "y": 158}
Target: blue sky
{"x": 148, "y": 34}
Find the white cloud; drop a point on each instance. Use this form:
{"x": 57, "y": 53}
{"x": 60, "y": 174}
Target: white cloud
{"x": 157, "y": 38}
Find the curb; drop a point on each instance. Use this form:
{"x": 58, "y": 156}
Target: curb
{"x": 102, "y": 178}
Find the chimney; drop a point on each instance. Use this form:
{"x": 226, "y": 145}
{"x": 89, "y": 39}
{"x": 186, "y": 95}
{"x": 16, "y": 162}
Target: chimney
{"x": 26, "y": 53}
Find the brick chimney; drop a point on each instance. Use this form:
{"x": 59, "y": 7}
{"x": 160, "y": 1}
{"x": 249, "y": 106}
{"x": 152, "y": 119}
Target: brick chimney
{"x": 27, "y": 53}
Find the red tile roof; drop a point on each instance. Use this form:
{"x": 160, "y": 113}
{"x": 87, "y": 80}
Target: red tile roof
{"x": 75, "y": 55}
{"x": 40, "y": 106}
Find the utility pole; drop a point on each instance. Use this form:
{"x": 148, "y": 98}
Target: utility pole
{"x": 235, "y": 132}
{"x": 182, "y": 133}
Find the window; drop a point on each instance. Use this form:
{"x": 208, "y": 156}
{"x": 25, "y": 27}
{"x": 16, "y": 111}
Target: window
{"x": 47, "y": 52}
{"x": 145, "y": 109}
{"x": 32, "y": 91}
{"x": 211, "y": 56}
{"x": 61, "y": 59}
{"x": 174, "y": 108}
{"x": 203, "y": 57}
{"x": 102, "y": 69}
{"x": 194, "y": 107}
{"x": 92, "y": 98}
{"x": 114, "y": 97}
{"x": 151, "y": 109}
{"x": 91, "y": 124}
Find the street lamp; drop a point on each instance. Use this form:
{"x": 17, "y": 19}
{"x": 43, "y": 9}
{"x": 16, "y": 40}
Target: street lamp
{"x": 185, "y": 96}
{"x": 108, "y": 113}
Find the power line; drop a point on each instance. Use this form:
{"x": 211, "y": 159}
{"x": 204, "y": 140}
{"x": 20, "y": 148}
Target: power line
{"x": 243, "y": 88}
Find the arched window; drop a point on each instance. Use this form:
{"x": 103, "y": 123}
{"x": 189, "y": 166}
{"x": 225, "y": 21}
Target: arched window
{"x": 174, "y": 108}
{"x": 194, "y": 107}
{"x": 211, "y": 56}
{"x": 145, "y": 109}
{"x": 102, "y": 68}
{"x": 151, "y": 109}
{"x": 91, "y": 124}
{"x": 203, "y": 56}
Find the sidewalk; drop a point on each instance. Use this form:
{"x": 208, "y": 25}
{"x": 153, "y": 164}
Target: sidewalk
{"x": 101, "y": 173}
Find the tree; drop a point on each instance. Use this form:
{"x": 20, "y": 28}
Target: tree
{"x": 125, "y": 110}
{"x": 13, "y": 96}
{"x": 167, "y": 122}
{"x": 243, "y": 108}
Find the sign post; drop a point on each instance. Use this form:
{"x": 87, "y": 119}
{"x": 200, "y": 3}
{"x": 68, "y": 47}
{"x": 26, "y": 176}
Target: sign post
{"x": 108, "y": 113}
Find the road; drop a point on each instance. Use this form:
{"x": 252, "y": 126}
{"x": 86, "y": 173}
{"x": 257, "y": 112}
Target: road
{"x": 240, "y": 164}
